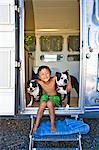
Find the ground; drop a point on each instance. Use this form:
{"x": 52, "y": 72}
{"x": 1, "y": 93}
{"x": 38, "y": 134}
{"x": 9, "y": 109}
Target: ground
{"x": 14, "y": 135}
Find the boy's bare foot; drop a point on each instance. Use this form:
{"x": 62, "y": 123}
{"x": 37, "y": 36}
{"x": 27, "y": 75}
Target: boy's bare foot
{"x": 34, "y": 128}
{"x": 53, "y": 128}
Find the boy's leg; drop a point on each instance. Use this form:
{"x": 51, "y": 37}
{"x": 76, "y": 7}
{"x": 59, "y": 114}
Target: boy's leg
{"x": 50, "y": 105}
{"x": 39, "y": 114}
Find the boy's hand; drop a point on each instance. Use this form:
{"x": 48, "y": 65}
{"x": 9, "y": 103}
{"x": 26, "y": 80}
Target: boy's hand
{"x": 69, "y": 87}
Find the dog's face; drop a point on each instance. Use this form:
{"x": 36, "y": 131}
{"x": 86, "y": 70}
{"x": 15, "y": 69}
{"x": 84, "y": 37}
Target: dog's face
{"x": 62, "y": 78}
{"x": 32, "y": 85}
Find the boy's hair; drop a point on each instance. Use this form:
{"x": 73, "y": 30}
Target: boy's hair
{"x": 43, "y": 67}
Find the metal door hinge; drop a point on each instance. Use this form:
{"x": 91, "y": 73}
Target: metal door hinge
{"x": 17, "y": 8}
{"x": 17, "y": 64}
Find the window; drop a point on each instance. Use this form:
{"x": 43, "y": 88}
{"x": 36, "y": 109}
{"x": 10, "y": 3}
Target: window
{"x": 30, "y": 41}
{"x": 73, "y": 43}
{"x": 51, "y": 43}
{"x": 73, "y": 48}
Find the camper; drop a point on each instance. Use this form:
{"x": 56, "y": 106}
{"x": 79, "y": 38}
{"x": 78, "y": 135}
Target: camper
{"x": 61, "y": 34}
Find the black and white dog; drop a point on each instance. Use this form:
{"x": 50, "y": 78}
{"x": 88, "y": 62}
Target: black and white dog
{"x": 34, "y": 90}
{"x": 61, "y": 83}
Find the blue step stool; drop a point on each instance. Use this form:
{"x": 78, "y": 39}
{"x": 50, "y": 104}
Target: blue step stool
{"x": 66, "y": 130}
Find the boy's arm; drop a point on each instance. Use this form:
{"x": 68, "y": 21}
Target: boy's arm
{"x": 69, "y": 86}
{"x": 39, "y": 81}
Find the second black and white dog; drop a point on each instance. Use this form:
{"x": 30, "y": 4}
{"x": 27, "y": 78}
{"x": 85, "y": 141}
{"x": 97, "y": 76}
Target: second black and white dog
{"x": 61, "y": 83}
{"x": 34, "y": 90}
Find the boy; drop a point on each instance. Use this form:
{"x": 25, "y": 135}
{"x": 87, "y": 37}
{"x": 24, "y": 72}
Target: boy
{"x": 49, "y": 98}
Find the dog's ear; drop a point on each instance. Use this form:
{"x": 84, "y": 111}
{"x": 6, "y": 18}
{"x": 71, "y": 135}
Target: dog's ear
{"x": 66, "y": 72}
{"x": 34, "y": 75}
{"x": 28, "y": 83}
{"x": 58, "y": 75}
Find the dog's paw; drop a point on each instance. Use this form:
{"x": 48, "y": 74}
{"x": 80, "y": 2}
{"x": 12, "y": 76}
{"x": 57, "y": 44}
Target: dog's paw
{"x": 30, "y": 104}
{"x": 67, "y": 106}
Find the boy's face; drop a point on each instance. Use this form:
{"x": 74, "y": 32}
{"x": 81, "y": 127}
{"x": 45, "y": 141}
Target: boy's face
{"x": 44, "y": 75}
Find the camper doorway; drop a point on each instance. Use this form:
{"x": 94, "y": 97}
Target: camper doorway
{"x": 52, "y": 38}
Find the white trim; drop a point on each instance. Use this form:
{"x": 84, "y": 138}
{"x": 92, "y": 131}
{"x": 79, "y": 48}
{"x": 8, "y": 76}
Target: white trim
{"x": 97, "y": 10}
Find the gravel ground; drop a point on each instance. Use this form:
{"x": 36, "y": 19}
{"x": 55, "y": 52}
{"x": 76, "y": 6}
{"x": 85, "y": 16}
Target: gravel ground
{"x": 14, "y": 135}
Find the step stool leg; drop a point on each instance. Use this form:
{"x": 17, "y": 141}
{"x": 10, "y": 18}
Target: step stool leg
{"x": 80, "y": 146}
{"x": 31, "y": 143}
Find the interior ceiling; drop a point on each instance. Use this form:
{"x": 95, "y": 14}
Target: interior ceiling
{"x": 29, "y": 24}
{"x": 51, "y": 14}
{"x": 55, "y": 3}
